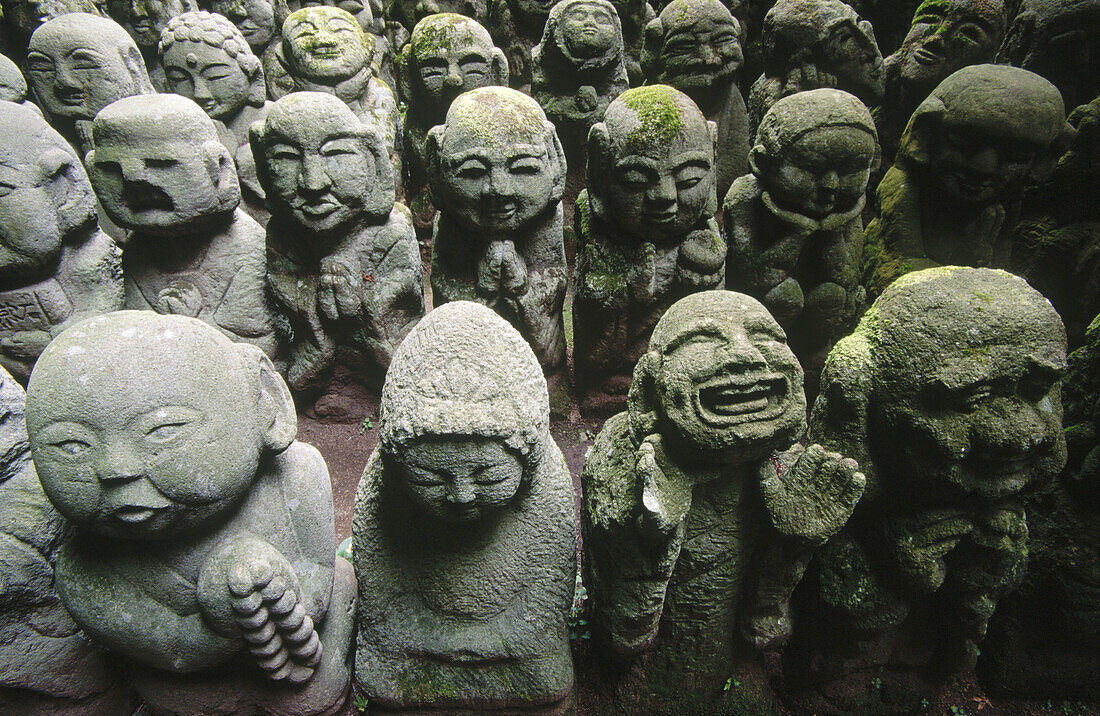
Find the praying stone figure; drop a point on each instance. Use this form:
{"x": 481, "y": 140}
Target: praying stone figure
{"x": 793, "y": 226}
{"x": 79, "y": 63}
{"x": 344, "y": 269}
{"x": 701, "y": 509}
{"x": 695, "y": 46}
{"x": 56, "y": 266}
{"x": 496, "y": 171}
{"x": 465, "y": 528}
{"x": 810, "y": 44}
{"x": 201, "y": 546}
{"x": 160, "y": 171}
{"x": 647, "y": 235}
{"x": 578, "y": 69}
{"x": 964, "y": 159}
{"x": 948, "y": 395}
{"x": 145, "y": 20}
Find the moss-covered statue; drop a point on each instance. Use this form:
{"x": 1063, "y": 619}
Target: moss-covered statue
{"x": 344, "y": 270}
{"x": 701, "y": 510}
{"x": 948, "y": 394}
{"x": 964, "y": 159}
{"x": 811, "y": 44}
{"x": 695, "y": 46}
{"x": 497, "y": 173}
{"x": 201, "y": 546}
{"x": 56, "y": 266}
{"x": 160, "y": 171}
{"x": 465, "y": 528}
{"x": 793, "y": 226}
{"x": 145, "y": 20}
{"x": 647, "y": 235}
{"x": 578, "y": 69}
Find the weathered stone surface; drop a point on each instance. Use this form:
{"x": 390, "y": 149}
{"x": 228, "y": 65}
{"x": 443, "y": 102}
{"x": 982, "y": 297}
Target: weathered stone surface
{"x": 696, "y": 526}
{"x": 965, "y": 156}
{"x": 344, "y": 269}
{"x": 465, "y": 527}
{"x": 647, "y": 236}
{"x": 254, "y": 18}
{"x": 516, "y": 27}
{"x": 793, "y": 226}
{"x": 634, "y": 15}
{"x": 23, "y": 17}
{"x": 56, "y": 266}
{"x": 145, "y": 20}
{"x": 202, "y": 547}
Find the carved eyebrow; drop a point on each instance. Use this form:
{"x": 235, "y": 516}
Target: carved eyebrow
{"x": 472, "y": 57}
{"x": 706, "y": 329}
{"x": 456, "y": 159}
{"x": 525, "y": 151}
{"x": 700, "y": 159}
{"x": 84, "y": 53}
{"x": 635, "y": 161}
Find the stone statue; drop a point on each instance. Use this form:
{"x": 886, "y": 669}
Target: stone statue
{"x": 23, "y": 17}
{"x": 695, "y": 46}
{"x": 255, "y": 19}
{"x": 948, "y": 395}
{"x": 206, "y": 59}
{"x": 578, "y": 69}
{"x": 13, "y": 86}
{"x": 402, "y": 17}
{"x": 202, "y": 544}
{"x": 496, "y": 171}
{"x": 701, "y": 510}
{"x": 634, "y": 15}
{"x": 145, "y": 20}
{"x": 647, "y": 235}
{"x": 516, "y": 26}
{"x": 160, "y": 171}
{"x": 946, "y": 36}
{"x": 465, "y": 528}
{"x": 79, "y": 63}
{"x": 1060, "y": 40}
{"x": 344, "y": 268}
{"x": 964, "y": 158}
{"x": 810, "y": 44}
{"x": 793, "y": 226}
{"x": 56, "y": 266}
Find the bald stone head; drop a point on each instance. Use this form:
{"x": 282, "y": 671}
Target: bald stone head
{"x": 587, "y": 33}
{"x": 325, "y": 44}
{"x": 694, "y": 46}
{"x": 13, "y": 87}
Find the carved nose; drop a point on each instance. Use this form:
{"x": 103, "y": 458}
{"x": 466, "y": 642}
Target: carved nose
{"x": 313, "y": 176}
{"x": 829, "y": 182}
{"x": 461, "y": 492}
{"x": 986, "y": 161}
{"x": 664, "y": 193}
{"x": 1009, "y": 427}
{"x": 201, "y": 91}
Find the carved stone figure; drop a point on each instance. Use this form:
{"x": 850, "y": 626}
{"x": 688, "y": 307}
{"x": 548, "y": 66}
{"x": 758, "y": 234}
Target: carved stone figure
{"x": 160, "y": 171}
{"x": 793, "y": 226}
{"x": 402, "y": 16}
{"x": 948, "y": 395}
{"x": 171, "y": 452}
{"x": 145, "y": 20}
{"x": 56, "y": 266}
{"x": 23, "y": 17}
{"x": 634, "y": 15}
{"x": 946, "y": 35}
{"x": 516, "y": 27}
{"x": 578, "y": 69}
{"x": 13, "y": 87}
{"x": 810, "y": 44}
{"x": 964, "y": 159}
{"x": 496, "y": 174}
{"x": 464, "y": 532}
{"x": 254, "y": 18}
{"x": 79, "y": 63}
{"x": 344, "y": 268}
{"x": 701, "y": 510}
{"x": 695, "y": 46}
{"x": 647, "y": 236}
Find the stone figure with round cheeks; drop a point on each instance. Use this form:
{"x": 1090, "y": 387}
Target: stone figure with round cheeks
{"x": 325, "y": 44}
{"x": 587, "y": 29}
{"x": 695, "y": 46}
{"x": 254, "y": 18}
{"x": 947, "y": 35}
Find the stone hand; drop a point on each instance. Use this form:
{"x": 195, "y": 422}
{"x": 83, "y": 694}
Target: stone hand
{"x": 586, "y": 98}
{"x": 999, "y": 546}
{"x": 642, "y": 279}
{"x": 701, "y": 258}
{"x": 920, "y": 544}
{"x": 513, "y": 271}
{"x": 24, "y": 344}
{"x": 810, "y": 493}
{"x": 664, "y": 501}
{"x": 338, "y": 291}
{"x": 181, "y": 298}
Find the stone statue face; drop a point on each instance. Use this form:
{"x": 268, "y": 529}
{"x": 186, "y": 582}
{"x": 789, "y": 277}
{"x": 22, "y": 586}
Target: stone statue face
{"x": 947, "y": 35}
{"x": 701, "y": 48}
{"x": 854, "y": 58}
{"x": 254, "y": 18}
{"x": 445, "y": 70}
{"x": 587, "y": 29}
{"x": 974, "y": 165}
{"x": 324, "y": 43}
{"x": 823, "y": 172}
{"x": 207, "y": 75}
{"x": 145, "y": 19}
{"x": 459, "y": 478}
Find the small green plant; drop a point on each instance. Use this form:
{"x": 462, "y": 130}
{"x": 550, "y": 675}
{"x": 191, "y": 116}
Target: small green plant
{"x": 578, "y": 625}
{"x": 731, "y": 684}
{"x": 368, "y": 423}
{"x": 362, "y": 705}
{"x": 957, "y": 711}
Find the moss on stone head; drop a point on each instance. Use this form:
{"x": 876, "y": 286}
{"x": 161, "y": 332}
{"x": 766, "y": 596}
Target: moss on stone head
{"x": 441, "y": 32}
{"x": 497, "y": 114}
{"x": 658, "y": 114}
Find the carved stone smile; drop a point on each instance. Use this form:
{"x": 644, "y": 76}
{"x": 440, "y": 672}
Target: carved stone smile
{"x": 731, "y": 400}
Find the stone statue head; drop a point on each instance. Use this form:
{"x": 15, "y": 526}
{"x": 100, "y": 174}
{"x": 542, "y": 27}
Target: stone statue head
{"x": 949, "y": 389}
{"x": 496, "y": 164}
{"x": 464, "y": 417}
{"x": 79, "y": 63}
{"x": 207, "y": 60}
{"x": 45, "y": 195}
{"x": 532, "y": 10}
{"x": 813, "y": 152}
{"x": 651, "y": 164}
{"x": 322, "y": 168}
{"x": 828, "y": 35}
{"x": 158, "y": 168}
{"x": 411, "y": 12}
{"x": 694, "y": 46}
{"x": 145, "y": 20}
{"x": 947, "y": 35}
{"x": 718, "y": 381}
{"x": 325, "y": 44}
{"x": 146, "y": 426}
{"x": 25, "y": 16}
{"x": 985, "y": 131}
{"x": 586, "y": 33}
{"x": 447, "y": 55}
{"x": 13, "y": 87}
{"x": 254, "y": 18}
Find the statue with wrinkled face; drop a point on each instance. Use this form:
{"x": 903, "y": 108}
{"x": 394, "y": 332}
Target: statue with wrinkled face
{"x": 648, "y": 236}
{"x": 696, "y": 526}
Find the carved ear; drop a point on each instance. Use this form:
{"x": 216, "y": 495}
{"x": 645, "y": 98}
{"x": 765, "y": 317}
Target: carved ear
{"x": 433, "y": 146}
{"x": 383, "y": 193}
{"x": 918, "y": 139}
{"x": 404, "y": 80}
{"x": 256, "y": 141}
{"x": 68, "y": 187}
{"x": 557, "y": 158}
{"x": 651, "y": 50}
{"x": 641, "y": 399}
{"x": 257, "y": 86}
{"x": 758, "y": 161}
{"x": 1042, "y": 167}
{"x": 131, "y": 57}
{"x": 274, "y": 406}
{"x": 498, "y": 67}
{"x": 223, "y": 173}
{"x": 597, "y": 171}
{"x": 712, "y": 202}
